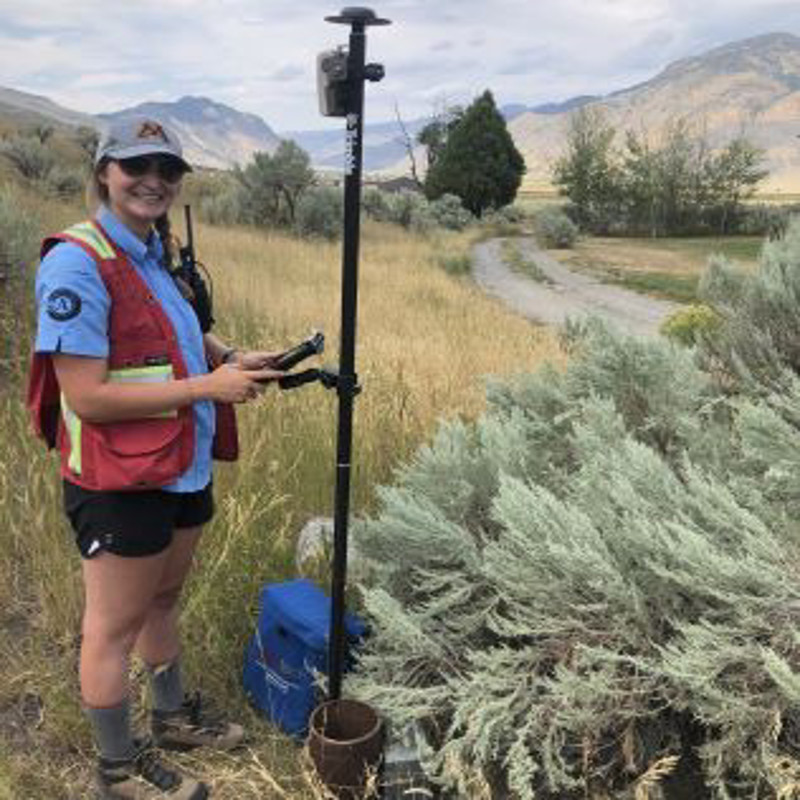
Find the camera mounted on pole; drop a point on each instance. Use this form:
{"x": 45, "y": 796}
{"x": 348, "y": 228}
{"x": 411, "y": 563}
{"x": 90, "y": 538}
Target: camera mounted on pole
{"x": 338, "y": 73}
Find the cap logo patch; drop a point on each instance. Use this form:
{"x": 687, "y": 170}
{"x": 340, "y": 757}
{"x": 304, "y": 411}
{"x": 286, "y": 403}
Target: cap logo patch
{"x": 151, "y": 130}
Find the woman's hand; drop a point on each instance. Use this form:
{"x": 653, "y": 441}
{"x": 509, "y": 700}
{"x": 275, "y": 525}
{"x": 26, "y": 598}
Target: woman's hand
{"x": 257, "y": 359}
{"x": 230, "y": 383}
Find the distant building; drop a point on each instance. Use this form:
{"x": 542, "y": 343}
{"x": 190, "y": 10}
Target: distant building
{"x": 394, "y": 185}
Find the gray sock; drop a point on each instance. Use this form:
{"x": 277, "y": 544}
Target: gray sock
{"x": 167, "y": 686}
{"x": 112, "y": 730}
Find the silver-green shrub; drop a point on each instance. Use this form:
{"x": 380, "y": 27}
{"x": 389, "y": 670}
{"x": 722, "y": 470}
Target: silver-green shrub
{"x": 759, "y": 340}
{"x": 410, "y": 210}
{"x": 603, "y": 571}
{"x": 320, "y": 212}
{"x": 19, "y": 238}
{"x": 413, "y": 211}
{"x": 224, "y": 207}
{"x": 66, "y": 182}
{"x": 376, "y": 204}
{"x": 19, "y": 232}
{"x": 30, "y": 157}
{"x": 448, "y": 212}
{"x": 553, "y": 228}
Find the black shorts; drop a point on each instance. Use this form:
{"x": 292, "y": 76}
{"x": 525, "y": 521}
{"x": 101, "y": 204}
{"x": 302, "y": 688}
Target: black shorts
{"x": 132, "y": 523}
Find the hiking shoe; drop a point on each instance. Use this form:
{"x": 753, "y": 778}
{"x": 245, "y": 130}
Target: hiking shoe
{"x": 192, "y": 725}
{"x": 144, "y": 777}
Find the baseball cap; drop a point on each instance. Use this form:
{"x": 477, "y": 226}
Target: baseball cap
{"x": 138, "y": 136}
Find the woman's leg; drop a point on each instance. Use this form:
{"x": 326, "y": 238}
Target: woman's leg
{"x": 120, "y": 592}
{"x": 158, "y": 642}
{"x": 178, "y": 721}
{"x": 119, "y": 595}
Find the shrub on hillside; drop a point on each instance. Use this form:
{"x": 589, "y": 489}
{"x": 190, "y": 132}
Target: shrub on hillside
{"x": 19, "y": 239}
{"x": 601, "y": 574}
{"x": 66, "y": 182}
{"x": 224, "y": 207}
{"x": 30, "y": 157}
{"x": 553, "y": 228}
{"x": 19, "y": 233}
{"x": 320, "y": 212}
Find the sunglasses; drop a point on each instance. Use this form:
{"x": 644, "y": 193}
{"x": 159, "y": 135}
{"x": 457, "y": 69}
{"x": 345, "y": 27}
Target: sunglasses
{"x": 168, "y": 168}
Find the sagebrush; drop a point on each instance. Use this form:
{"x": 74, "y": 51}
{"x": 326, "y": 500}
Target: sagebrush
{"x": 602, "y": 572}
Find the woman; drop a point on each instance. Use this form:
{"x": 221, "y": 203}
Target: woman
{"x": 121, "y": 358}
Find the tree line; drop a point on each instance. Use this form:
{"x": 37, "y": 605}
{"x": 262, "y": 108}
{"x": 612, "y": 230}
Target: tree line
{"x": 473, "y": 168}
{"x": 671, "y": 185}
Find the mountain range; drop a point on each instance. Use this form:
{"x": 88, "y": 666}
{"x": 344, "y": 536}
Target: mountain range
{"x": 749, "y": 87}
{"x": 212, "y": 134}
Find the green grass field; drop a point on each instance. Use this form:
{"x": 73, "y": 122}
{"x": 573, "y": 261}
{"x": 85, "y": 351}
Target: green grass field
{"x": 668, "y": 267}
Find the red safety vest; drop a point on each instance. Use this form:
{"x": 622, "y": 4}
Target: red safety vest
{"x": 131, "y": 454}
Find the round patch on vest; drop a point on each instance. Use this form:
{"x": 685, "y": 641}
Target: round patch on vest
{"x": 63, "y": 304}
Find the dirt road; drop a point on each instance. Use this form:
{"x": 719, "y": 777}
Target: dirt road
{"x": 564, "y": 293}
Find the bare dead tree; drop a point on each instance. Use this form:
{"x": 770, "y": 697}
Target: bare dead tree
{"x": 408, "y": 143}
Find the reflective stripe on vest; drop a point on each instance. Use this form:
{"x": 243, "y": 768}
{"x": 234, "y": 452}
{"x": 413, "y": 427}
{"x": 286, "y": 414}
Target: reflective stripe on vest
{"x": 161, "y": 373}
{"x": 72, "y": 422}
{"x": 88, "y": 233}
{"x": 156, "y": 374}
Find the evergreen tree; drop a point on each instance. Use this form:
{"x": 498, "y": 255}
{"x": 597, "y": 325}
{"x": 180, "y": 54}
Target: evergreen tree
{"x": 478, "y": 162}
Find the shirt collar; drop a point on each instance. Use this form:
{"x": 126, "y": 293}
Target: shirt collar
{"x": 126, "y": 239}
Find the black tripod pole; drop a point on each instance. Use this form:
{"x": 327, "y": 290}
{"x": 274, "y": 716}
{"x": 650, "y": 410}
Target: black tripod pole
{"x": 347, "y": 385}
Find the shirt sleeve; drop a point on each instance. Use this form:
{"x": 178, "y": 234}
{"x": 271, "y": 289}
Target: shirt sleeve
{"x": 72, "y": 304}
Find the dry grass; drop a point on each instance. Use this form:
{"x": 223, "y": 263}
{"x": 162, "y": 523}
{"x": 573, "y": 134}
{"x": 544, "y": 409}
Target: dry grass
{"x": 425, "y": 341}
{"x": 648, "y": 785}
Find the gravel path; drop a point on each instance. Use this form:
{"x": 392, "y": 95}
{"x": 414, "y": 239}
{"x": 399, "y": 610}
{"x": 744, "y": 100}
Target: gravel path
{"x": 565, "y": 293}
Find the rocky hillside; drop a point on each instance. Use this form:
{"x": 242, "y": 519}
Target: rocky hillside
{"x": 31, "y": 109}
{"x": 212, "y": 134}
{"x": 751, "y": 87}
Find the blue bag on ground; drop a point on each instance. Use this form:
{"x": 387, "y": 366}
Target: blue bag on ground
{"x": 291, "y": 644}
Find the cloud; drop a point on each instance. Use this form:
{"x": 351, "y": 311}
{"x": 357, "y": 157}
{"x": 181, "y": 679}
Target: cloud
{"x": 94, "y": 56}
{"x": 289, "y": 72}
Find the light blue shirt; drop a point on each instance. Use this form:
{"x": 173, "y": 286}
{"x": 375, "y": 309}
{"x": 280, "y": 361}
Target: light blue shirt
{"x": 73, "y": 308}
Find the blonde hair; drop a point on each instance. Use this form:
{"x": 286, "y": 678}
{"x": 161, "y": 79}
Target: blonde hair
{"x": 96, "y": 191}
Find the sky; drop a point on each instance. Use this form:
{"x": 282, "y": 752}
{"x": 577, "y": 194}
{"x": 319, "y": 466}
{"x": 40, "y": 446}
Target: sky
{"x": 260, "y": 55}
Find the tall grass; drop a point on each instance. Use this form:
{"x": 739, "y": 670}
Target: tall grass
{"x": 425, "y": 342}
